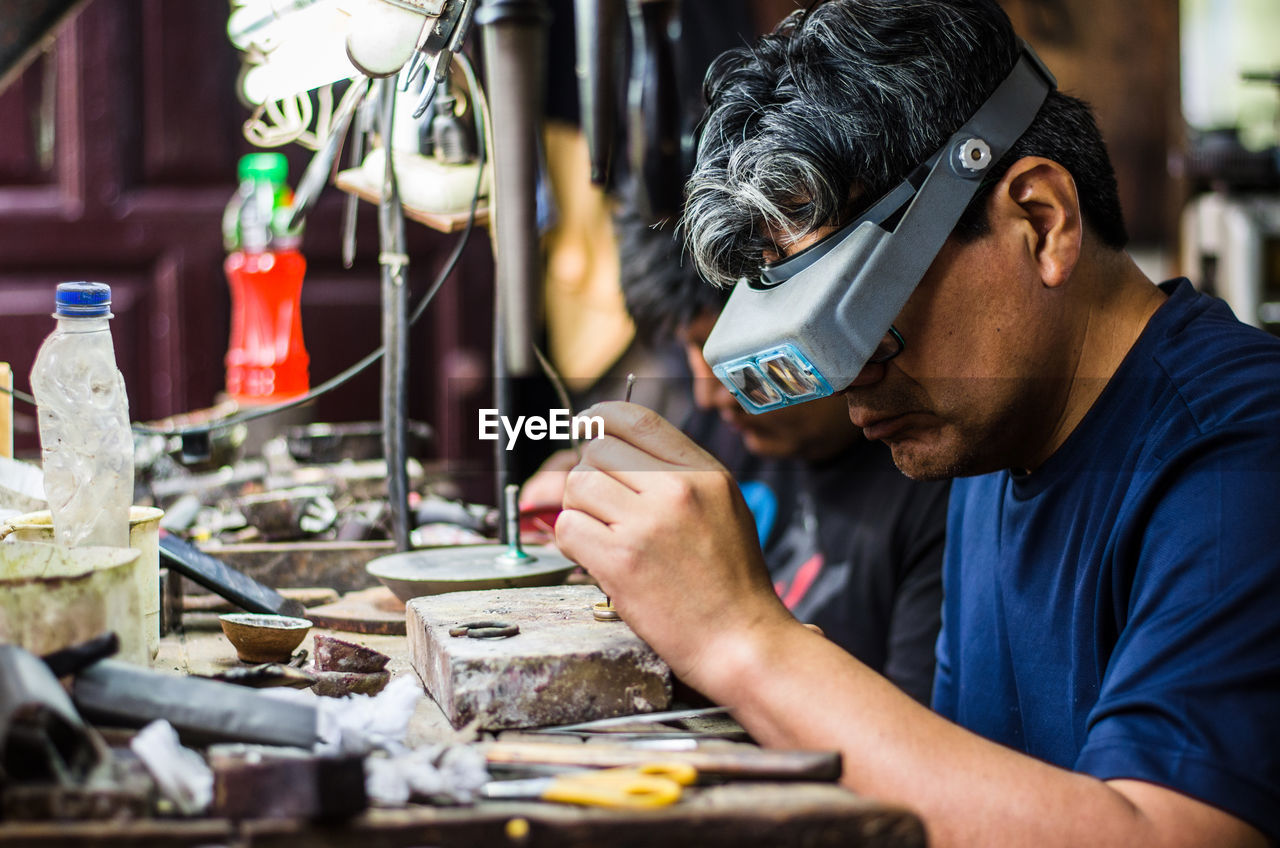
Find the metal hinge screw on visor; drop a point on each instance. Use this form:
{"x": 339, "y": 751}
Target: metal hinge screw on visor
{"x": 809, "y": 325}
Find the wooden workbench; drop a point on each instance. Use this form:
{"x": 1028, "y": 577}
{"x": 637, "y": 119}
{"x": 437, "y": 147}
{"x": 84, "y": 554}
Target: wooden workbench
{"x": 736, "y": 814}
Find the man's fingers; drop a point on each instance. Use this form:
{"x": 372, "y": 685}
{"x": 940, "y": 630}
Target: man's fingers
{"x": 598, "y": 494}
{"x": 578, "y": 534}
{"x": 647, "y": 431}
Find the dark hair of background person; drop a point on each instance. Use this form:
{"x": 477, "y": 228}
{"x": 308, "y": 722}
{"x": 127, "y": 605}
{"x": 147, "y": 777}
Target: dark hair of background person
{"x": 819, "y": 118}
{"x": 662, "y": 290}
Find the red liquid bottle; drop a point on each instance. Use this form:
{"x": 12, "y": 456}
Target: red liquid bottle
{"x": 266, "y": 359}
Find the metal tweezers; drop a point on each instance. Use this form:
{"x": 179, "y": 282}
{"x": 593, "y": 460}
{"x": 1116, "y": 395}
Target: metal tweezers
{"x": 601, "y": 727}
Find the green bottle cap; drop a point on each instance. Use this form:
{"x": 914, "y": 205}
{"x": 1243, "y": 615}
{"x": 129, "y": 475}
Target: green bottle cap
{"x": 272, "y": 167}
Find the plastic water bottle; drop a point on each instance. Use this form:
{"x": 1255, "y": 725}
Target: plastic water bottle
{"x": 83, "y": 412}
{"x": 266, "y": 359}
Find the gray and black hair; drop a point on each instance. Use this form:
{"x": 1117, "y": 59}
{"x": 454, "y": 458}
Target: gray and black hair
{"x": 819, "y": 118}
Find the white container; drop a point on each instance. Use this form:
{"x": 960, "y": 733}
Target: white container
{"x": 86, "y": 441}
{"x": 144, "y": 537}
{"x": 52, "y": 597}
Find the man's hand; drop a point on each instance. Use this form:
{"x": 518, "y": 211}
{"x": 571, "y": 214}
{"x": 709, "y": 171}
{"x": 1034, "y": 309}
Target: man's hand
{"x": 662, "y": 527}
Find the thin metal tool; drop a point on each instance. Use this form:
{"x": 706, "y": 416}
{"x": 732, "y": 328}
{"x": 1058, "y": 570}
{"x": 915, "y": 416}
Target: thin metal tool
{"x": 362, "y": 122}
{"x": 394, "y": 262}
{"x": 602, "y": 725}
{"x": 320, "y": 169}
{"x": 444, "y": 39}
{"x": 605, "y": 611}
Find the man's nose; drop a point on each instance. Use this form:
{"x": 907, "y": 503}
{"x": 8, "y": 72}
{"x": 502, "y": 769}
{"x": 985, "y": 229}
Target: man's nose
{"x": 871, "y": 373}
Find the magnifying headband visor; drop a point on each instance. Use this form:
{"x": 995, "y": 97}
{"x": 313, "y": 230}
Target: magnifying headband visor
{"x": 813, "y": 320}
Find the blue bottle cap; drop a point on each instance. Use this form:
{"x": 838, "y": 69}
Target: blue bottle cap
{"x": 83, "y": 300}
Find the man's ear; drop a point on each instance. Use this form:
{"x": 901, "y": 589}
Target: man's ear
{"x": 1038, "y": 198}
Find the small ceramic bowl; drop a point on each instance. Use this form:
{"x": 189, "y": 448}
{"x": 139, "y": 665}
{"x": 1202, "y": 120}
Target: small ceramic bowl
{"x": 262, "y": 638}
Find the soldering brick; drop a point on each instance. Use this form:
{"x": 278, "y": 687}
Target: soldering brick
{"x": 562, "y": 667}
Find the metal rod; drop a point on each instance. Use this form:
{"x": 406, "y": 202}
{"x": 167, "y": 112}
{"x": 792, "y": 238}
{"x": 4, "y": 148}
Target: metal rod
{"x": 395, "y": 328}
{"x": 514, "y": 54}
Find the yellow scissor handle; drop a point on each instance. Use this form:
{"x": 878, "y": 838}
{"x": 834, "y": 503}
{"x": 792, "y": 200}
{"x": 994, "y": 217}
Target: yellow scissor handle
{"x": 682, "y": 773}
{"x": 633, "y": 787}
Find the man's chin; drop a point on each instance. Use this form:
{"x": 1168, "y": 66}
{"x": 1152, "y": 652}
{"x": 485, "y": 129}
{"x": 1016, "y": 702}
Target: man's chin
{"x": 925, "y": 461}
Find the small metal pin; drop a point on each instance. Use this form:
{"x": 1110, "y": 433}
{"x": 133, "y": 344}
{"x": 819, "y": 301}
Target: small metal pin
{"x": 605, "y": 611}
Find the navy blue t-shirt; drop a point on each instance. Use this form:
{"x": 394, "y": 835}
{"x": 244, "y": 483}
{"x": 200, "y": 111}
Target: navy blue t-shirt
{"x": 1117, "y": 611}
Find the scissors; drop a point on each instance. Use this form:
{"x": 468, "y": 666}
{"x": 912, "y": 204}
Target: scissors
{"x": 644, "y": 786}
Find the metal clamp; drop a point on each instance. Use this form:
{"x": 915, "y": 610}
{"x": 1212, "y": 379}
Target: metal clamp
{"x": 485, "y": 630}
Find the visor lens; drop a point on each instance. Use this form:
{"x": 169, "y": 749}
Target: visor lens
{"x": 773, "y": 378}
{"x": 790, "y": 375}
{"x": 751, "y": 384}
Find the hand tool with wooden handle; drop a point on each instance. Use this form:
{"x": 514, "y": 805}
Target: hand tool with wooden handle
{"x": 743, "y": 764}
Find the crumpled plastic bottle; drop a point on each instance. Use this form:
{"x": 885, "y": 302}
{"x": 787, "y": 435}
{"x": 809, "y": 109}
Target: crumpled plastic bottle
{"x": 83, "y": 410}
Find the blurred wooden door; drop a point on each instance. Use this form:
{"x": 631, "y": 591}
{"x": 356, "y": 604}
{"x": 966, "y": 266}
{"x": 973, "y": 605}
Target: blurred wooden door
{"x": 118, "y": 152}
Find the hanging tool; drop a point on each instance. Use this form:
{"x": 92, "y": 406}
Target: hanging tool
{"x": 445, "y": 39}
{"x": 360, "y": 131}
{"x": 653, "y": 104}
{"x": 595, "y": 24}
{"x": 322, "y": 166}
{"x": 643, "y": 786}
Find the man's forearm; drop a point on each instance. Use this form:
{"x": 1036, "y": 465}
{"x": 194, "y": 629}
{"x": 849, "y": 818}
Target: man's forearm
{"x": 792, "y": 688}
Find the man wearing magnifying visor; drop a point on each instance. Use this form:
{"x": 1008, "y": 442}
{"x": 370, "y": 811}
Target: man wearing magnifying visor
{"x": 911, "y": 214}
